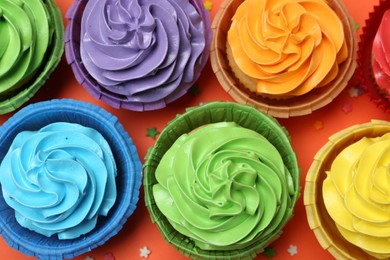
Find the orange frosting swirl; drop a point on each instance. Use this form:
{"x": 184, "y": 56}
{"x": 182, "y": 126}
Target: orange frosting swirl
{"x": 287, "y": 47}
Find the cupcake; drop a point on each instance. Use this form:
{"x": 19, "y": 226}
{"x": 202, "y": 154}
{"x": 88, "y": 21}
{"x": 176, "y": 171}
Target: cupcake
{"x": 346, "y": 193}
{"x": 281, "y": 56}
{"x": 380, "y": 48}
{"x": 69, "y": 177}
{"x": 221, "y": 181}
{"x": 373, "y": 69}
{"x": 136, "y": 54}
{"x": 32, "y": 43}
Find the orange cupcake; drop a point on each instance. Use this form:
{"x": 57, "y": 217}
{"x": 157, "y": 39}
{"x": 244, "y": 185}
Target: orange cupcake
{"x": 287, "y": 57}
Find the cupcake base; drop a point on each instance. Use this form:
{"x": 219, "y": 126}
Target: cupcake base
{"x": 128, "y": 180}
{"x": 73, "y": 56}
{"x": 296, "y": 106}
{"x": 18, "y": 97}
{"x": 319, "y": 220}
{"x": 245, "y": 116}
{"x": 364, "y": 70}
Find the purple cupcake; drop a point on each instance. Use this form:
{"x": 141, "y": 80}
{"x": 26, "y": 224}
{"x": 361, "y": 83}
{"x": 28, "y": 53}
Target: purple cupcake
{"x": 137, "y": 54}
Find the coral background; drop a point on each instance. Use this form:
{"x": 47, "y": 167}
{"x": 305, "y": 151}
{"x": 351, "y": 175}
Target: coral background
{"x": 308, "y": 134}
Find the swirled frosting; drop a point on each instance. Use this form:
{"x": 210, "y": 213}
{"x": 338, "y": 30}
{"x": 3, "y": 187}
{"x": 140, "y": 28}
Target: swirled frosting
{"x": 59, "y": 179}
{"x": 381, "y": 52}
{"x": 356, "y": 194}
{"x": 25, "y": 33}
{"x": 224, "y": 186}
{"x": 142, "y": 50}
{"x": 285, "y": 48}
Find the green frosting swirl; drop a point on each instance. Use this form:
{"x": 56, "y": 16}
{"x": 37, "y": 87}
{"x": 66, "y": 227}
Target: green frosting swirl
{"x": 224, "y": 186}
{"x": 25, "y": 35}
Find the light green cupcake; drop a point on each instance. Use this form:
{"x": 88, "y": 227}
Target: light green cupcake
{"x": 31, "y": 46}
{"x": 221, "y": 181}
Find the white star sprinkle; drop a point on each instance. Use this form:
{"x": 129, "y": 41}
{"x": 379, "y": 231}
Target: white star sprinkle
{"x": 353, "y": 92}
{"x": 292, "y": 250}
{"x": 144, "y": 252}
{"x": 89, "y": 258}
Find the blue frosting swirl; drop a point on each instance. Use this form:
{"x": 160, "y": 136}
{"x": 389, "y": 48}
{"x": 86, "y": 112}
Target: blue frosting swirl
{"x": 59, "y": 179}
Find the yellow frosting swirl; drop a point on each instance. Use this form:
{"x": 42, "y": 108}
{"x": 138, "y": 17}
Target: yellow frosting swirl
{"x": 356, "y": 194}
{"x": 287, "y": 47}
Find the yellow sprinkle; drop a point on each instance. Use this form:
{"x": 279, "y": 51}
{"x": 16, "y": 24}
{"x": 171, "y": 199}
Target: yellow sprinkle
{"x": 208, "y": 5}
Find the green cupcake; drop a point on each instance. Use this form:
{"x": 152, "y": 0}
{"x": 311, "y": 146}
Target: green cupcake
{"x": 221, "y": 181}
{"x": 31, "y": 46}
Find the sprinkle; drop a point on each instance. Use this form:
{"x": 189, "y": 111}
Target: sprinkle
{"x": 347, "y": 107}
{"x": 152, "y": 132}
{"x": 292, "y": 250}
{"x": 355, "y": 91}
{"x": 318, "y": 125}
{"x": 89, "y": 258}
{"x": 194, "y": 90}
{"x": 356, "y": 24}
{"x": 208, "y": 5}
{"x": 269, "y": 252}
{"x": 109, "y": 256}
{"x": 144, "y": 252}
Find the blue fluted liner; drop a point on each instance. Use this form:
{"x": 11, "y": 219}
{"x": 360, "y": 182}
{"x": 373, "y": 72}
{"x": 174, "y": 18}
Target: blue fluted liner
{"x": 34, "y": 117}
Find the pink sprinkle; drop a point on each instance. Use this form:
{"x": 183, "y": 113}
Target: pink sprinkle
{"x": 109, "y": 256}
{"x": 347, "y": 107}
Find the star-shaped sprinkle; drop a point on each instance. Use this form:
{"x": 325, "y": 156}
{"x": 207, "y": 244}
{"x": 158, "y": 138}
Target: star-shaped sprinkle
{"x": 144, "y": 252}
{"x": 292, "y": 250}
{"x": 347, "y": 107}
{"x": 152, "y": 132}
{"x": 355, "y": 91}
{"x": 194, "y": 90}
{"x": 318, "y": 125}
{"x": 89, "y": 258}
{"x": 208, "y": 5}
{"x": 109, "y": 256}
{"x": 269, "y": 252}
{"x": 356, "y": 24}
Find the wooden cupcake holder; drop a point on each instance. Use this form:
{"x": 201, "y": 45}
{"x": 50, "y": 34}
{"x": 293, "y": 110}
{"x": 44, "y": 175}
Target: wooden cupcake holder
{"x": 296, "y": 106}
{"x": 319, "y": 220}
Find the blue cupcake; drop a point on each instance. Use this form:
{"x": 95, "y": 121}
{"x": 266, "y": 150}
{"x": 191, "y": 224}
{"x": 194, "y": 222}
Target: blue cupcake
{"x": 45, "y": 211}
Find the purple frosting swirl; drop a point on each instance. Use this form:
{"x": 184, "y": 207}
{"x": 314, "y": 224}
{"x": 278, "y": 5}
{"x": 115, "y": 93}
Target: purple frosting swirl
{"x": 143, "y": 50}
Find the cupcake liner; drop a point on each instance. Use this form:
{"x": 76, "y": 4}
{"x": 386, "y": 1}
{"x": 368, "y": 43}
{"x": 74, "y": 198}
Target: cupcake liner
{"x": 283, "y": 108}
{"x": 364, "y": 70}
{"x": 245, "y": 116}
{"x": 319, "y": 220}
{"x": 51, "y": 62}
{"x": 34, "y": 117}
{"x": 72, "y": 52}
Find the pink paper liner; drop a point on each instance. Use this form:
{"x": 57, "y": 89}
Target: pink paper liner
{"x": 364, "y": 70}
